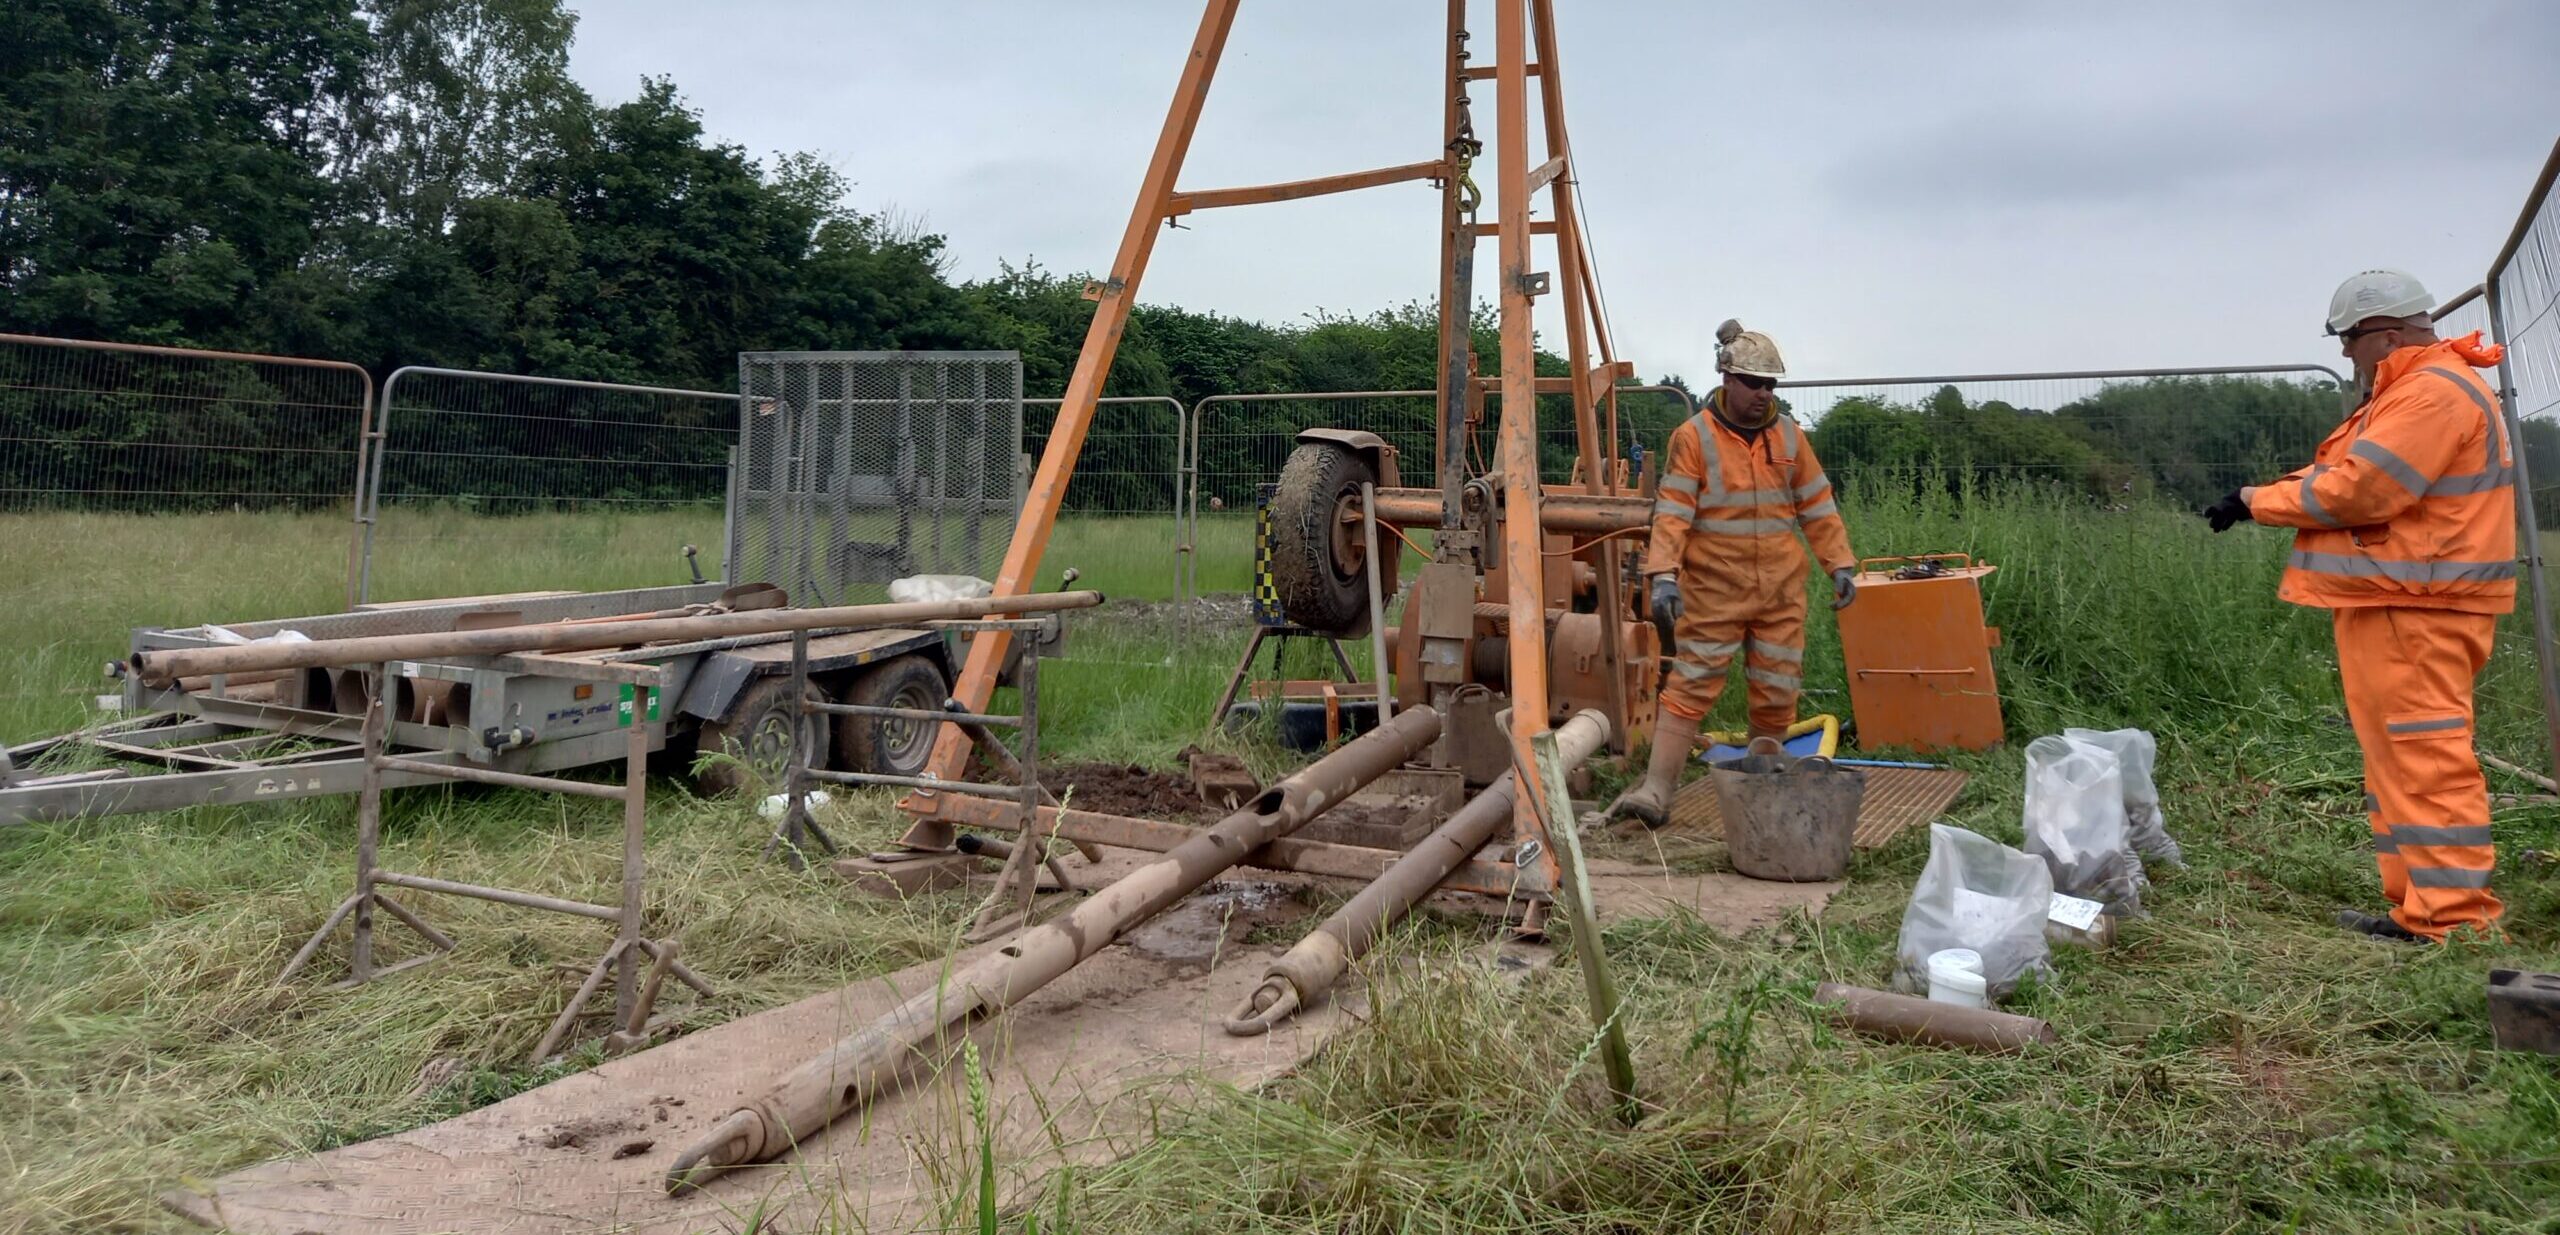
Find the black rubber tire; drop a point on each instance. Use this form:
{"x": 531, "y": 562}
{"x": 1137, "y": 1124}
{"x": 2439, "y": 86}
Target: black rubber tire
{"x": 880, "y": 744}
{"x": 757, "y": 730}
{"x": 1319, "y": 589}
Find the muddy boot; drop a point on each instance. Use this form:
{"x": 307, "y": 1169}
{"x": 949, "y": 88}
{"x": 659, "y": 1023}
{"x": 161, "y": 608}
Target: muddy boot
{"x": 1649, "y": 803}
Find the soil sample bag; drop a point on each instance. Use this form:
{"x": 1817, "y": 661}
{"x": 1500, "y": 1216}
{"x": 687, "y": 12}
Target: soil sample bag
{"x": 2137, "y": 754}
{"x": 2076, "y": 823}
{"x": 1975, "y": 893}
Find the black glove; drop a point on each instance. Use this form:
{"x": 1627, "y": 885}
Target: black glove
{"x": 1844, "y": 587}
{"x": 1665, "y": 599}
{"x": 2226, "y": 512}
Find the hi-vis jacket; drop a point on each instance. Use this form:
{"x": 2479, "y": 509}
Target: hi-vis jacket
{"x": 2411, "y": 502}
{"x": 1730, "y": 507}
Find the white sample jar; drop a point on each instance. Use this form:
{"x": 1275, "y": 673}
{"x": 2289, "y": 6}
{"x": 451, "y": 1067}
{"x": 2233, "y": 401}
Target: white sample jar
{"x": 1955, "y": 976}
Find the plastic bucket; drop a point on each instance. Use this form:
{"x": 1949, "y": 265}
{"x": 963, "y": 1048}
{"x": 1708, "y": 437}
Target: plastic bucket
{"x": 1785, "y": 819}
{"x": 1955, "y": 976}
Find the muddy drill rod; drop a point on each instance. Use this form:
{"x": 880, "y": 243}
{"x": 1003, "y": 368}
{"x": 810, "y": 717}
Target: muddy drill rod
{"x": 161, "y": 667}
{"x": 1318, "y": 961}
{"x": 814, "y": 1094}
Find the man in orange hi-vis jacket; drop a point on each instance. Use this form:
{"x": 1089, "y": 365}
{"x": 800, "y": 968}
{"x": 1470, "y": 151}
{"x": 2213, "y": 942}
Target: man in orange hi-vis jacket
{"x": 1738, "y": 482}
{"x": 2406, "y": 532}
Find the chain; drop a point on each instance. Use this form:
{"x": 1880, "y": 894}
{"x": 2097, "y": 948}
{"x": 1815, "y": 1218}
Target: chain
{"x": 1464, "y": 147}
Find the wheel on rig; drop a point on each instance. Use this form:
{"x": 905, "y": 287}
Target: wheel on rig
{"x": 1318, "y": 564}
{"x": 756, "y": 738}
{"x": 887, "y": 745}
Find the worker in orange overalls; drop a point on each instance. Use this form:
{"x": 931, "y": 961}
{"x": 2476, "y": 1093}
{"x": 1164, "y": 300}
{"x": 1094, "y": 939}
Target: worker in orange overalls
{"x": 1739, "y": 482}
{"x": 2406, "y": 525}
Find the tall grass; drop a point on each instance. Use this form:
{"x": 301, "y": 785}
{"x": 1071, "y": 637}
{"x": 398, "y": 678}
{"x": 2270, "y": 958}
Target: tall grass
{"x": 2233, "y": 1064}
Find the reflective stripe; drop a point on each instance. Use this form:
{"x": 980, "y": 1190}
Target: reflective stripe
{"x": 1816, "y": 485}
{"x": 2426, "y": 726}
{"x": 1745, "y": 527}
{"x": 2385, "y": 844}
{"x": 2491, "y": 430}
{"x": 1744, "y": 498}
{"x": 1762, "y": 647}
{"x": 2446, "y": 877}
{"x": 1681, "y": 484}
{"x": 2311, "y": 499}
{"x": 1705, "y": 651}
{"x": 1782, "y": 681}
{"x": 2403, "y": 572}
{"x": 2371, "y": 804}
{"x": 2398, "y": 469}
{"x": 2472, "y": 482}
{"x": 1690, "y": 670}
{"x": 1822, "y": 509}
{"x": 1706, "y": 434}
{"x": 1669, "y": 506}
{"x": 2430, "y": 834}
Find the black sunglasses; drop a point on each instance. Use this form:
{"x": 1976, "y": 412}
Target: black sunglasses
{"x": 1757, "y": 383}
{"x": 2353, "y": 333}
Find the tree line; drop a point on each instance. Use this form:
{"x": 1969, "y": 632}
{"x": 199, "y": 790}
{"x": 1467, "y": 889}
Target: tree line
{"x": 397, "y": 182}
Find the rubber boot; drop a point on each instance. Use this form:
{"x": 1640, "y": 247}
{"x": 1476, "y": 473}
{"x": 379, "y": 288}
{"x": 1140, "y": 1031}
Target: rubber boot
{"x": 1649, "y": 803}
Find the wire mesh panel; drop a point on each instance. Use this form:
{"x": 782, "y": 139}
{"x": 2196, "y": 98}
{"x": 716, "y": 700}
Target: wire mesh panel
{"x": 2526, "y": 284}
{"x": 1119, "y": 525}
{"x": 860, "y": 468}
{"x": 2186, "y": 435}
{"x": 489, "y": 482}
{"x": 151, "y": 485}
{"x": 103, "y": 427}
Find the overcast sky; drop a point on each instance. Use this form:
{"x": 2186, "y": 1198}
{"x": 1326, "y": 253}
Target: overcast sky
{"x": 1883, "y": 187}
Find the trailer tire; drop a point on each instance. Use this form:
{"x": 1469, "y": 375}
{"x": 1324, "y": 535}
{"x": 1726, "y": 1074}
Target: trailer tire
{"x": 883, "y": 745}
{"x": 757, "y": 732}
{"x": 1317, "y": 566}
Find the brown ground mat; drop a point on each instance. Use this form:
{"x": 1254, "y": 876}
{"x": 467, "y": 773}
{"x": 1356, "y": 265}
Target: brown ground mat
{"x": 1076, "y": 1074}
{"x": 1897, "y": 798}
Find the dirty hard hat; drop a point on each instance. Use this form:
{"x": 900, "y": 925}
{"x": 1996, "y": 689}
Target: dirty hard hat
{"x": 1747, "y": 352}
{"x": 2377, "y": 293}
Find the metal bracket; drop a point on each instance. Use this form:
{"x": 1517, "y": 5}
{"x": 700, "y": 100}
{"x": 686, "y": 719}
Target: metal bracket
{"x": 1095, "y": 290}
{"x": 1534, "y": 283}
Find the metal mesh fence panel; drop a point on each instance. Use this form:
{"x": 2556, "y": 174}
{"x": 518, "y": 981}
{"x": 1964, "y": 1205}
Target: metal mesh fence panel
{"x": 486, "y": 483}
{"x": 151, "y": 485}
{"x": 2524, "y": 308}
{"x": 1119, "y": 526}
{"x": 2116, "y": 436}
{"x": 105, "y": 427}
{"x": 860, "y": 468}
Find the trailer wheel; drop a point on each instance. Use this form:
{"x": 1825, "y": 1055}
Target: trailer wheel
{"x": 882, "y": 744}
{"x": 757, "y": 732}
{"x": 1318, "y": 564}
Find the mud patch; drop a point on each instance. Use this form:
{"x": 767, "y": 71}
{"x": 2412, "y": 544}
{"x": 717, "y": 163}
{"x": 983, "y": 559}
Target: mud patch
{"x": 1127, "y": 789}
{"x": 579, "y": 1133}
{"x": 1213, "y": 923}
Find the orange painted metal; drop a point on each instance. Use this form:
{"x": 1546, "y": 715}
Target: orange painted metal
{"x": 1517, "y": 434}
{"x": 1075, "y": 412}
{"x": 1919, "y": 657}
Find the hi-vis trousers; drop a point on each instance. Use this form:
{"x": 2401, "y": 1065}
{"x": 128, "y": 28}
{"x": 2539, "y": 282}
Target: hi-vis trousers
{"x": 2408, "y": 676}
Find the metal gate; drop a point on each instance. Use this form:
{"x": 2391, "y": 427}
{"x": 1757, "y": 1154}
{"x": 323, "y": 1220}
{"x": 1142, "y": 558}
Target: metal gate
{"x": 858, "y": 468}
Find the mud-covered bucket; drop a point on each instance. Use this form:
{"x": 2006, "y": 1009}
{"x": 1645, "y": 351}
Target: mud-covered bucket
{"x": 1789, "y": 819}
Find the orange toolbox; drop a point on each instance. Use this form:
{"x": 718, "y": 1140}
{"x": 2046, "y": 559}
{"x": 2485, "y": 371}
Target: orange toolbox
{"x": 1919, "y": 654}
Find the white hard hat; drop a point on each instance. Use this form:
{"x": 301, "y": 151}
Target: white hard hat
{"x": 2377, "y": 293}
{"x": 1747, "y": 352}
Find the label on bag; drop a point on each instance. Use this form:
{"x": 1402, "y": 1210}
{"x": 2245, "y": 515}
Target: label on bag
{"x": 2074, "y": 912}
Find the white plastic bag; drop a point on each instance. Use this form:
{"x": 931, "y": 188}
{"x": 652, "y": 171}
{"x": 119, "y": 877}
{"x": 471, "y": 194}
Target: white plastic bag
{"x": 2137, "y": 754}
{"x": 918, "y": 588}
{"x": 1975, "y": 893}
{"x": 2076, "y": 823}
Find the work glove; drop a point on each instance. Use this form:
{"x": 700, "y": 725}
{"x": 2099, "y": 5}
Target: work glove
{"x": 2226, "y": 512}
{"x": 1844, "y": 587}
{"x": 1665, "y": 599}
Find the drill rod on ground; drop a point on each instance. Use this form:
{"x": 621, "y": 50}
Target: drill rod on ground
{"x": 848, "y": 1074}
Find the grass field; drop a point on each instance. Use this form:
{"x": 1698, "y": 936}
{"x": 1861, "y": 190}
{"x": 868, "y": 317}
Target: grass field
{"x": 2233, "y": 1064}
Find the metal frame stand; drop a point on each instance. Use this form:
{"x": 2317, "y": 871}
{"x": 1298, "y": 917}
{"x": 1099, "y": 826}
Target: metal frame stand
{"x": 632, "y": 1004}
{"x": 1010, "y": 904}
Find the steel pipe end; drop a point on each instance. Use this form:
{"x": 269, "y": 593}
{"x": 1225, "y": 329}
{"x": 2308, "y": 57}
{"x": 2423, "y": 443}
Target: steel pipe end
{"x": 733, "y": 1140}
